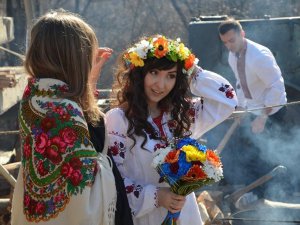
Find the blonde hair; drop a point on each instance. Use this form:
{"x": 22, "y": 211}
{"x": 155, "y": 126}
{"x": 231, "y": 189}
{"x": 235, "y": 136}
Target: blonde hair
{"x": 62, "y": 47}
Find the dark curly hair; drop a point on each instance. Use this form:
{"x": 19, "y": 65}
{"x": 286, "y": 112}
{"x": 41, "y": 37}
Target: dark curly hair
{"x": 128, "y": 93}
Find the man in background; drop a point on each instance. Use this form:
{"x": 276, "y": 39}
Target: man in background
{"x": 259, "y": 84}
{"x": 259, "y": 81}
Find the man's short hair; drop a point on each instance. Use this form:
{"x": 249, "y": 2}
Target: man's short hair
{"x": 230, "y": 24}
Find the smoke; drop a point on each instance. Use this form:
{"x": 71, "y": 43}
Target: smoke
{"x": 280, "y": 147}
{"x": 247, "y": 156}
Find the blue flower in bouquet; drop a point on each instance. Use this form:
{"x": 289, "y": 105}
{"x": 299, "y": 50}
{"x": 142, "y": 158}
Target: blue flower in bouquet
{"x": 189, "y": 141}
{"x": 174, "y": 169}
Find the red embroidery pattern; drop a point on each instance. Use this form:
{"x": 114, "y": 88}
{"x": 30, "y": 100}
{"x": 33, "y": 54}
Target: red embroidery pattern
{"x": 135, "y": 189}
{"x": 228, "y": 90}
{"x": 156, "y": 198}
{"x": 117, "y": 134}
{"x": 117, "y": 149}
{"x": 192, "y": 112}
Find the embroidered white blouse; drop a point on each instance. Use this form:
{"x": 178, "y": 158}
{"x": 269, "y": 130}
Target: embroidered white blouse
{"x": 264, "y": 78}
{"x": 217, "y": 102}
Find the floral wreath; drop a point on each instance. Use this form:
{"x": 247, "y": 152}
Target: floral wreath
{"x": 160, "y": 47}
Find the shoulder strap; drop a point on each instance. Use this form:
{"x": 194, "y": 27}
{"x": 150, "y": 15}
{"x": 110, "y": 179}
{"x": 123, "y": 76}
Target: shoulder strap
{"x": 105, "y": 146}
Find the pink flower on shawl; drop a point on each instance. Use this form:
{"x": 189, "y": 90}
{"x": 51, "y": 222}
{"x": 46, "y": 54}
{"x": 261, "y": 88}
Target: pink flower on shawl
{"x": 76, "y": 177}
{"x": 40, "y": 208}
{"x": 75, "y": 163}
{"x": 26, "y": 200}
{"x": 41, "y": 143}
{"x": 27, "y": 91}
{"x": 48, "y": 123}
{"x": 53, "y": 154}
{"x": 58, "y": 143}
{"x": 68, "y": 135}
{"x": 41, "y": 169}
{"x": 66, "y": 170}
{"x": 27, "y": 148}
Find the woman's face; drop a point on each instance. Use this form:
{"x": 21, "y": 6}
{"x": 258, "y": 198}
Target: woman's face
{"x": 158, "y": 84}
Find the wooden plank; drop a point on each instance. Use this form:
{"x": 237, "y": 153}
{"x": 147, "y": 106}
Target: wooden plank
{"x": 12, "y": 167}
{"x": 13, "y": 69}
{"x": 6, "y": 174}
{"x": 4, "y": 202}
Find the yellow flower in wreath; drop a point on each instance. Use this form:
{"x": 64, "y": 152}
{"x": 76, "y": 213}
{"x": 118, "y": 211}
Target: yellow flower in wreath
{"x": 183, "y": 51}
{"x": 135, "y": 59}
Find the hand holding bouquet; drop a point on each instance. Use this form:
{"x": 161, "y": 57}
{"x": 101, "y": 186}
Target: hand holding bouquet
{"x": 186, "y": 166}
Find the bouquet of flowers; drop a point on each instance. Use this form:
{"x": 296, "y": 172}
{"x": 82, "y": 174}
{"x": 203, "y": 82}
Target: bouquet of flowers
{"x": 186, "y": 166}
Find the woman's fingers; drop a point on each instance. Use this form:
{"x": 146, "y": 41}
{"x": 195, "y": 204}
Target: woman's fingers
{"x": 102, "y": 55}
{"x": 176, "y": 203}
{"x": 104, "y": 51}
{"x": 172, "y": 202}
{"x": 174, "y": 209}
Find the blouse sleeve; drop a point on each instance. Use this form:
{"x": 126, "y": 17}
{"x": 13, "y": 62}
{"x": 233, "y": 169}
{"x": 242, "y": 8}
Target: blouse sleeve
{"x": 59, "y": 181}
{"x": 216, "y": 101}
{"x": 142, "y": 198}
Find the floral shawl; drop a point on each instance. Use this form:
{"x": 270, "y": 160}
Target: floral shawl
{"x": 59, "y": 163}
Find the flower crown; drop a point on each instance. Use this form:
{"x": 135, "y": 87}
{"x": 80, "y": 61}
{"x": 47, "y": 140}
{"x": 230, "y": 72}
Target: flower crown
{"x": 160, "y": 47}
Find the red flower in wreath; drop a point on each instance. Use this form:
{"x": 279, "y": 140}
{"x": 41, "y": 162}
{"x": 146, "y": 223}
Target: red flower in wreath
{"x": 189, "y": 62}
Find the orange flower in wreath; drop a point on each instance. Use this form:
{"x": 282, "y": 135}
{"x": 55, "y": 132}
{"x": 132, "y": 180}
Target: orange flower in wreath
{"x": 195, "y": 173}
{"x": 189, "y": 62}
{"x": 161, "y": 47}
{"x": 213, "y": 158}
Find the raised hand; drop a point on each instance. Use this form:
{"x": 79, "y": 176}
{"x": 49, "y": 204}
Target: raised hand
{"x": 101, "y": 56}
